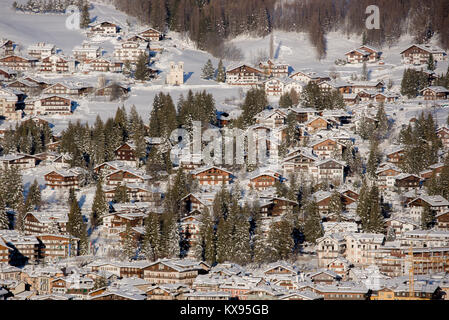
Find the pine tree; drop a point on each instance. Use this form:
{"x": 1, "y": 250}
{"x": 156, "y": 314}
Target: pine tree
{"x": 142, "y": 71}
{"x": 152, "y": 238}
{"x": 376, "y": 223}
{"x": 241, "y": 250}
{"x": 312, "y": 225}
{"x": 121, "y": 194}
{"x": 34, "y": 195}
{"x": 363, "y": 206}
{"x": 208, "y": 238}
{"x": 208, "y": 70}
{"x": 365, "y": 73}
{"x": 427, "y": 217}
{"x": 170, "y": 236}
{"x": 85, "y": 17}
{"x": 4, "y": 220}
{"x": 335, "y": 205}
{"x": 129, "y": 244}
{"x": 431, "y": 63}
{"x": 221, "y": 74}
{"x": 99, "y": 206}
{"x": 382, "y": 120}
{"x": 12, "y": 180}
{"x": 223, "y": 246}
{"x": 280, "y": 240}
{"x": 260, "y": 246}
{"x": 20, "y": 216}
{"x": 76, "y": 226}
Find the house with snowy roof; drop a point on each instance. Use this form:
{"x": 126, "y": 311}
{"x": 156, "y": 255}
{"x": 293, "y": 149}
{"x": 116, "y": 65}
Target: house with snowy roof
{"x": 435, "y": 93}
{"x": 417, "y": 54}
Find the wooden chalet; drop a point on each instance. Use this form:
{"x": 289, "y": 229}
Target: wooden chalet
{"x": 244, "y": 75}
{"x": 151, "y": 34}
{"x": 62, "y": 180}
{"x": 18, "y": 63}
{"x": 212, "y": 176}
{"x": 435, "y": 93}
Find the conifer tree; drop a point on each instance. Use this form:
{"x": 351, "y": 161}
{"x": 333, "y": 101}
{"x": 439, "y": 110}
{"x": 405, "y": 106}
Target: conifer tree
{"x": 223, "y": 246}
{"x": 21, "y": 212}
{"x": 221, "y": 74}
{"x": 152, "y": 238}
{"x": 363, "y": 206}
{"x": 170, "y": 236}
{"x": 382, "y": 120}
{"x": 365, "y": 73}
{"x": 121, "y": 194}
{"x": 241, "y": 250}
{"x": 12, "y": 180}
{"x": 427, "y": 217}
{"x": 4, "y": 220}
{"x": 335, "y": 205}
{"x": 34, "y": 195}
{"x": 431, "y": 63}
{"x": 141, "y": 73}
{"x": 99, "y": 206}
{"x": 376, "y": 223}
{"x": 207, "y": 238}
{"x": 312, "y": 225}
{"x": 76, "y": 226}
{"x": 259, "y": 246}
{"x": 85, "y": 17}
{"x": 129, "y": 244}
{"x": 280, "y": 240}
{"x": 208, "y": 70}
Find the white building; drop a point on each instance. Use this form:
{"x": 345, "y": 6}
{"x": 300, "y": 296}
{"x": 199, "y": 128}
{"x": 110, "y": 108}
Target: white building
{"x": 175, "y": 75}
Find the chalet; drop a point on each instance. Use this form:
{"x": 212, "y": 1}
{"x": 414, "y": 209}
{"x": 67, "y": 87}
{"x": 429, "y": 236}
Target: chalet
{"x": 151, "y": 34}
{"x": 362, "y": 54}
{"x": 419, "y": 54}
{"x": 326, "y": 148}
{"x": 437, "y": 204}
{"x": 36, "y": 222}
{"x": 53, "y": 104}
{"x": 325, "y": 277}
{"x": 19, "y": 161}
{"x": 386, "y": 177}
{"x": 435, "y": 93}
{"x": 328, "y": 170}
{"x": 7, "y": 47}
{"x": 68, "y": 88}
{"x": 190, "y": 229}
{"x": 341, "y": 292}
{"x": 136, "y": 193}
{"x": 41, "y": 50}
{"x": 130, "y": 51}
{"x": 401, "y": 224}
{"x": 352, "y": 98}
{"x": 101, "y": 64}
{"x": 41, "y": 83}
{"x": 212, "y": 176}
{"x": 263, "y": 181}
{"x": 124, "y": 177}
{"x": 407, "y": 182}
{"x": 57, "y": 64}
{"x": 433, "y": 170}
{"x": 276, "y": 207}
{"x": 339, "y": 266}
{"x": 26, "y": 87}
{"x": 55, "y": 246}
{"x": 115, "y": 223}
{"x": 7, "y": 74}
{"x": 386, "y": 97}
{"x": 317, "y": 124}
{"x": 396, "y": 155}
{"x": 62, "y": 180}
{"x": 104, "y": 28}
{"x": 10, "y": 104}
{"x": 278, "y": 70}
{"x": 336, "y": 85}
{"x": 376, "y": 86}
{"x": 443, "y": 134}
{"x": 361, "y": 248}
{"x": 243, "y": 75}
{"x": 302, "y": 296}
{"x": 4, "y": 252}
{"x": 170, "y": 271}
{"x": 271, "y": 118}
{"x": 126, "y": 152}
{"x": 306, "y": 77}
{"x": 329, "y": 248}
{"x": 86, "y": 51}
{"x": 112, "y": 89}
{"x": 304, "y": 114}
{"x": 18, "y": 63}
{"x": 23, "y": 249}
{"x": 197, "y": 202}
{"x": 298, "y": 161}
{"x": 278, "y": 87}
{"x": 442, "y": 220}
